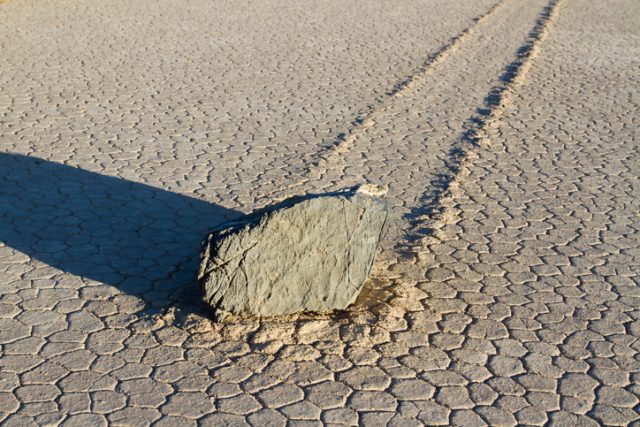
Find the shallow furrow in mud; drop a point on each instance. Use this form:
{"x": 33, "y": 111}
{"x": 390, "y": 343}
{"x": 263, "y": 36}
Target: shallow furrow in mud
{"x": 410, "y": 144}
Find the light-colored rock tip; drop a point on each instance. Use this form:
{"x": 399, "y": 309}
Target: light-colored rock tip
{"x": 372, "y": 190}
{"x": 309, "y": 253}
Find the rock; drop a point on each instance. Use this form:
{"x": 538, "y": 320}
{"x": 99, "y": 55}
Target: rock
{"x": 309, "y": 253}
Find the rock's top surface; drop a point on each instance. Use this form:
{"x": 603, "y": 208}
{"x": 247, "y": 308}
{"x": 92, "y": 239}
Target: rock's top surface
{"x": 309, "y": 253}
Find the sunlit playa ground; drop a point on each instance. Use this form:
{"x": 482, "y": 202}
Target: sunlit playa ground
{"x": 506, "y": 290}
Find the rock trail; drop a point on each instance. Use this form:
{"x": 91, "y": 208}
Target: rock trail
{"x": 416, "y": 147}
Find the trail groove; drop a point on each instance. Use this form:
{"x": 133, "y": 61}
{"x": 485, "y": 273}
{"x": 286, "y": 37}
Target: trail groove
{"x": 476, "y": 126}
{"x": 320, "y": 159}
{"x": 342, "y": 143}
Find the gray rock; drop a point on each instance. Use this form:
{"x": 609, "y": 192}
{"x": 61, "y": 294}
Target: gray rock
{"x": 309, "y": 253}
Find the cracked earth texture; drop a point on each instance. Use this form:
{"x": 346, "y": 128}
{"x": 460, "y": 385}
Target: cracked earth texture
{"x": 506, "y": 292}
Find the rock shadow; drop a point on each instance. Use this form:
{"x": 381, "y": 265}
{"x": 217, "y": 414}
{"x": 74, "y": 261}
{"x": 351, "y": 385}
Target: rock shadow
{"x": 143, "y": 240}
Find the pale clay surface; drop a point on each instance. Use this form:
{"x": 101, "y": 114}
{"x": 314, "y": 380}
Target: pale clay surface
{"x": 507, "y": 289}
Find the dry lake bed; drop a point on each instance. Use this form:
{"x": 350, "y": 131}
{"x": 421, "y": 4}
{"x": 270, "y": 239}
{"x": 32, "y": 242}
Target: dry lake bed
{"x": 506, "y": 291}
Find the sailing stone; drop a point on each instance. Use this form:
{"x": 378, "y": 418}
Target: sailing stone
{"x": 310, "y": 253}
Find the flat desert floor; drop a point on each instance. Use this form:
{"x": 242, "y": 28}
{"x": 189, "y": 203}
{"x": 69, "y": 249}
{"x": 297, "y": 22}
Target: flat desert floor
{"x": 506, "y": 291}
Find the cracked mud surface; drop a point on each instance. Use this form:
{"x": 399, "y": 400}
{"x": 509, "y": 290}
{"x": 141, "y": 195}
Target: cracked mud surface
{"x": 506, "y": 292}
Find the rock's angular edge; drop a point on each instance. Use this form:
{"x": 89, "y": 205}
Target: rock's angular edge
{"x": 309, "y": 253}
